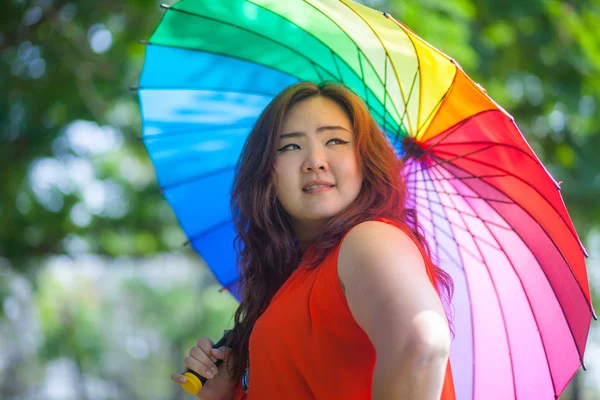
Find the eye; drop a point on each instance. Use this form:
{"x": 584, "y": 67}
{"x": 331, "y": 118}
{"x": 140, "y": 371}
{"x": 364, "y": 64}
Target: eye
{"x": 340, "y": 141}
{"x": 287, "y": 147}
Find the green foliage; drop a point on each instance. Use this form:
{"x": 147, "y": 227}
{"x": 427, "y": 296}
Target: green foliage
{"x": 180, "y": 313}
{"x": 52, "y": 76}
{"x": 71, "y": 318}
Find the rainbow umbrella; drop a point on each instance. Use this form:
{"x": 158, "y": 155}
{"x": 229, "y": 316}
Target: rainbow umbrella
{"x": 491, "y": 212}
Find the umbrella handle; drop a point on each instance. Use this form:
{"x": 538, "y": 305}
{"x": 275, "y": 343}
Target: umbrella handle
{"x": 194, "y": 382}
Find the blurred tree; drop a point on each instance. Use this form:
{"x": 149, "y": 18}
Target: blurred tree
{"x": 65, "y": 62}
{"x": 181, "y": 316}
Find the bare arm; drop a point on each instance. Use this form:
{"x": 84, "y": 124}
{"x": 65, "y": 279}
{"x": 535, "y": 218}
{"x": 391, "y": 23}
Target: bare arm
{"x": 391, "y": 298}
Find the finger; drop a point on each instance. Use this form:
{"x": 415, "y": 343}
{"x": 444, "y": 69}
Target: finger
{"x": 204, "y": 343}
{"x": 205, "y": 357}
{"x": 178, "y": 378}
{"x": 206, "y": 369}
{"x": 222, "y": 353}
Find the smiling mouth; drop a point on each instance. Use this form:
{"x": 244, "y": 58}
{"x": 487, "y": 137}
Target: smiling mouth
{"x": 314, "y": 187}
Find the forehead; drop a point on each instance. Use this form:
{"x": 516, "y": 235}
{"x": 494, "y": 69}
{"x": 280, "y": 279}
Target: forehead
{"x": 315, "y": 111}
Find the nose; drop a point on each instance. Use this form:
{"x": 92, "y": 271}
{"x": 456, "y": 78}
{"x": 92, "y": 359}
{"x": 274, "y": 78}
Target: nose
{"x": 315, "y": 162}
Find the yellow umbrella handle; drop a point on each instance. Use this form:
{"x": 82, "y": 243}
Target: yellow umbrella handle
{"x": 194, "y": 381}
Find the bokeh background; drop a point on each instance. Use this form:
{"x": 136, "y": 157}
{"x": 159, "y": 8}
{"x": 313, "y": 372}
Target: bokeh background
{"x": 100, "y": 298}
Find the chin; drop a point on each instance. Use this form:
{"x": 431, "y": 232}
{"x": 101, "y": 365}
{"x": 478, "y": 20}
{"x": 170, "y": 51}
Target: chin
{"x": 321, "y": 213}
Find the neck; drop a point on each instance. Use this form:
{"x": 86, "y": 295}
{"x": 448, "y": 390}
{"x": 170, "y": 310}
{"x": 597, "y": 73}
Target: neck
{"x": 307, "y": 231}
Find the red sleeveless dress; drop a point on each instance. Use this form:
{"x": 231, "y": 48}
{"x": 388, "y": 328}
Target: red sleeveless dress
{"x": 307, "y": 345}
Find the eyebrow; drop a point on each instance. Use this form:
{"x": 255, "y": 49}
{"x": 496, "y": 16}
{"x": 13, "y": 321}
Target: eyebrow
{"x": 319, "y": 130}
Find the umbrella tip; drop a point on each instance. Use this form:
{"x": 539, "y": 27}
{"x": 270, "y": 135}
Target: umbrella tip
{"x": 165, "y": 6}
{"x": 583, "y": 366}
{"x": 142, "y": 41}
{"x": 386, "y": 14}
{"x": 585, "y": 253}
{"x": 187, "y": 243}
{"x": 134, "y": 88}
{"x": 594, "y": 315}
{"x": 411, "y": 148}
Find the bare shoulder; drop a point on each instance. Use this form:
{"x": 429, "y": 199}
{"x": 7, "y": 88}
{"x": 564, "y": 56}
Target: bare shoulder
{"x": 381, "y": 268}
{"x": 376, "y": 252}
{"x": 375, "y": 240}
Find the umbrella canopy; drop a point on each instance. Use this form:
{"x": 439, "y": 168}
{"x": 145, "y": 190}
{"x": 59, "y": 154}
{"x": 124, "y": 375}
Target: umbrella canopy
{"x": 492, "y": 214}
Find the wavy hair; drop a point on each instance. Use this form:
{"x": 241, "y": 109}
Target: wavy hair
{"x": 268, "y": 251}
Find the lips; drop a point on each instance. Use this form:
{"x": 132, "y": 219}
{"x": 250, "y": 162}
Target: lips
{"x": 308, "y": 189}
{"x": 312, "y": 185}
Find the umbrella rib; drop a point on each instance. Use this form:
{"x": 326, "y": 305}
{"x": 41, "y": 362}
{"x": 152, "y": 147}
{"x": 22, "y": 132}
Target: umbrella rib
{"x": 339, "y": 71}
{"x": 412, "y": 86}
{"x": 526, "y": 293}
{"x": 256, "y": 33}
{"x": 174, "y": 46}
{"x": 468, "y": 196}
{"x": 267, "y": 38}
{"x": 317, "y": 70}
{"x": 206, "y": 89}
{"x": 432, "y": 113}
{"x": 451, "y": 258}
{"x": 196, "y": 178}
{"x": 325, "y": 45}
{"x": 465, "y": 213}
{"x": 522, "y": 180}
{"x": 450, "y": 236}
{"x": 494, "y": 144}
{"x": 183, "y": 132}
{"x": 208, "y": 230}
{"x": 564, "y": 258}
{"x": 404, "y": 99}
{"x": 467, "y": 230}
{"x": 450, "y": 160}
{"x": 465, "y": 156}
{"x": 362, "y": 76}
{"x": 450, "y": 130}
{"x": 417, "y": 73}
{"x": 228, "y": 286}
{"x": 462, "y": 264}
{"x": 385, "y": 91}
{"x": 456, "y": 157}
{"x": 500, "y": 305}
{"x": 439, "y": 246}
{"x": 371, "y": 109}
{"x": 459, "y": 178}
{"x": 454, "y": 128}
{"x": 436, "y": 108}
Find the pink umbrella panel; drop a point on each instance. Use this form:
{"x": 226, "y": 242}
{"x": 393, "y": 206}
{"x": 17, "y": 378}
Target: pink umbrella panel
{"x": 521, "y": 316}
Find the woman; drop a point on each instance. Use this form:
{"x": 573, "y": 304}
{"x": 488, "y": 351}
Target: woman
{"x": 341, "y": 299}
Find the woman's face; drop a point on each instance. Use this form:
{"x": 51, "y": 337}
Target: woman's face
{"x": 317, "y": 173}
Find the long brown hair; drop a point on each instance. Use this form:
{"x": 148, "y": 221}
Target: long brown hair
{"x": 268, "y": 251}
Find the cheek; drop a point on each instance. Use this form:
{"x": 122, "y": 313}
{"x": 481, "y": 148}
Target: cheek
{"x": 285, "y": 177}
{"x": 283, "y": 171}
{"x": 350, "y": 170}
